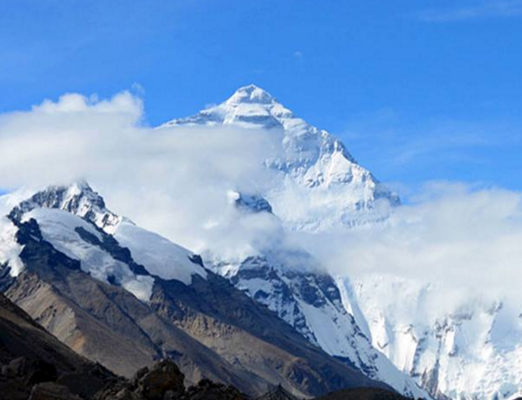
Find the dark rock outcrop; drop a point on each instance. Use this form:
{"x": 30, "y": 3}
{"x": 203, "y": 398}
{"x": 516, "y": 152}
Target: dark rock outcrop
{"x": 363, "y": 394}
{"x": 164, "y": 377}
{"x": 52, "y": 391}
{"x": 207, "y": 390}
{"x": 164, "y": 381}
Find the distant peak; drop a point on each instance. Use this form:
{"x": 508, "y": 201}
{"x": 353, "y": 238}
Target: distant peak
{"x": 80, "y": 186}
{"x": 76, "y": 198}
{"x": 250, "y": 94}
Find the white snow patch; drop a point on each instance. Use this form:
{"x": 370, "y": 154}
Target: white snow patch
{"x": 58, "y": 228}
{"x": 160, "y": 256}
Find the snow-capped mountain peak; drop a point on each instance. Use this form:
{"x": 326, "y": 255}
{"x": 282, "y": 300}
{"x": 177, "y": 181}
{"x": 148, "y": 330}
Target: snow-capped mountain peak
{"x": 75, "y": 220}
{"x": 249, "y": 107}
{"x": 314, "y": 165}
{"x": 77, "y": 198}
{"x": 250, "y": 94}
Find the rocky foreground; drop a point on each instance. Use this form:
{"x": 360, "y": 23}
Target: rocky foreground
{"x": 26, "y": 379}
{"x": 164, "y": 381}
{"x": 35, "y": 365}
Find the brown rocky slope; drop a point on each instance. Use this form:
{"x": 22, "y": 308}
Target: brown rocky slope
{"x": 211, "y": 329}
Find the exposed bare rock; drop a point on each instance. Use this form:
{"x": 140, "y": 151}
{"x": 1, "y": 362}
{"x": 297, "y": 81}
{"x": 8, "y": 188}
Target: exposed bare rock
{"x": 164, "y": 381}
{"x": 163, "y": 377}
{"x": 52, "y": 391}
{"x": 207, "y": 390}
{"x": 363, "y": 394}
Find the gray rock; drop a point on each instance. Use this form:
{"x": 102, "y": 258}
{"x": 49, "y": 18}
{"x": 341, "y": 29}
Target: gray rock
{"x": 51, "y": 391}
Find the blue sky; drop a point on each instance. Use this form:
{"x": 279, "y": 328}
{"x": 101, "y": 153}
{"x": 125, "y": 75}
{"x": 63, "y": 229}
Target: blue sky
{"x": 418, "y": 90}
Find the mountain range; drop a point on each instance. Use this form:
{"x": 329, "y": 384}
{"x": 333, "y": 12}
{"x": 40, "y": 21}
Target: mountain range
{"x": 124, "y": 296}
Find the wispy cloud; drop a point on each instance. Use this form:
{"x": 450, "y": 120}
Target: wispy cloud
{"x": 460, "y": 238}
{"x": 480, "y": 10}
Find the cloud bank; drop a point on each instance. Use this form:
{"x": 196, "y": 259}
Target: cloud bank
{"x": 176, "y": 181}
{"x": 461, "y": 240}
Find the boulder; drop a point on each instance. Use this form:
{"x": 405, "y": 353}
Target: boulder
{"x": 163, "y": 381}
{"x": 207, "y": 390}
{"x": 51, "y": 391}
{"x": 163, "y": 377}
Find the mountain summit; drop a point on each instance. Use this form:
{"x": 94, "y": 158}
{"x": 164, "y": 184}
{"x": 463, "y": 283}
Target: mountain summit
{"x": 251, "y": 94}
{"x": 471, "y": 352}
{"x": 317, "y": 185}
{"x": 249, "y": 106}
{"x": 315, "y": 166}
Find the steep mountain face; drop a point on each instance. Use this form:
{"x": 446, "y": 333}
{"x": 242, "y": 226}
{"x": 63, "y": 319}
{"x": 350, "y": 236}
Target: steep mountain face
{"x": 472, "y": 351}
{"x": 311, "y": 302}
{"x": 321, "y": 185}
{"x": 123, "y": 296}
{"x": 91, "y": 277}
{"x": 84, "y": 288}
{"x": 77, "y": 199}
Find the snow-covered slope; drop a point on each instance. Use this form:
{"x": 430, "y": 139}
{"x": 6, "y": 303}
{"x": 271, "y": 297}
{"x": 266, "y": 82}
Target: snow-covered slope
{"x": 75, "y": 220}
{"x": 10, "y": 249}
{"x": 321, "y": 185}
{"x": 160, "y": 256}
{"x": 291, "y": 284}
{"x": 473, "y": 350}
{"x": 80, "y": 240}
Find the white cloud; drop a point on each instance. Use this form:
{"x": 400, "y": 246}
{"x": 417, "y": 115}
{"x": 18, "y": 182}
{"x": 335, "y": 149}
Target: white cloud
{"x": 175, "y": 181}
{"x": 464, "y": 240}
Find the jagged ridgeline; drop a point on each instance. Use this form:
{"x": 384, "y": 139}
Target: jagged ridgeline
{"x": 129, "y": 297}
